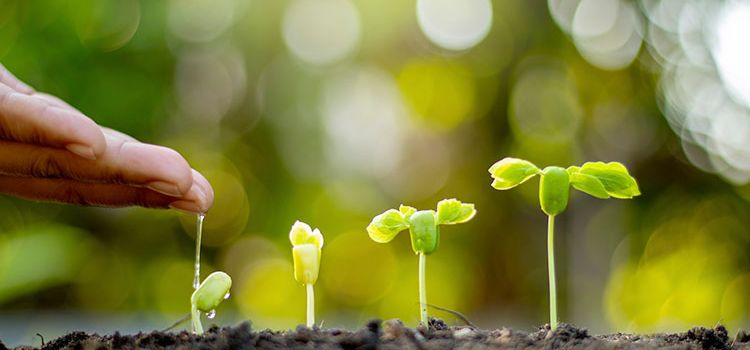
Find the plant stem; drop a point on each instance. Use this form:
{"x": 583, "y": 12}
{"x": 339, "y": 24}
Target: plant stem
{"x": 422, "y": 290}
{"x": 310, "y": 305}
{"x": 551, "y": 268}
{"x": 196, "y": 320}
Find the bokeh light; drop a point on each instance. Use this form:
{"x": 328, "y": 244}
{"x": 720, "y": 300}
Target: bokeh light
{"x": 321, "y": 32}
{"x": 454, "y": 24}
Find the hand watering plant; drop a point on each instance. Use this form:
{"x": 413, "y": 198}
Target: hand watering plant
{"x": 424, "y": 232}
{"x": 208, "y": 296}
{"x": 601, "y": 180}
{"x": 306, "y": 246}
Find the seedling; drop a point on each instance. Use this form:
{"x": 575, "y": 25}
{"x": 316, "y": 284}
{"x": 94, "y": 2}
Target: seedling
{"x": 601, "y": 180}
{"x": 424, "y": 232}
{"x": 208, "y": 296}
{"x": 306, "y": 246}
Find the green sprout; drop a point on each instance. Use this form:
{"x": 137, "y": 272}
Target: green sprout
{"x": 306, "y": 246}
{"x": 598, "y": 179}
{"x": 208, "y": 296}
{"x": 424, "y": 232}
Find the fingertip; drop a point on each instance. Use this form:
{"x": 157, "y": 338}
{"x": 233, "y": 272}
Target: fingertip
{"x": 157, "y": 164}
{"x": 205, "y": 187}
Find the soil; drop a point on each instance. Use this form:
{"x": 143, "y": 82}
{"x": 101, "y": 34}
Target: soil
{"x": 392, "y": 334}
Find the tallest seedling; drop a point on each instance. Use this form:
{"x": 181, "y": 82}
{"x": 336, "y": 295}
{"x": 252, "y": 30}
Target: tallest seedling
{"x": 601, "y": 180}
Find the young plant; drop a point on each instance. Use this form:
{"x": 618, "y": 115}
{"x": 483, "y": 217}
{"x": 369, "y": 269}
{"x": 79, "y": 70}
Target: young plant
{"x": 598, "y": 179}
{"x": 424, "y": 230}
{"x": 306, "y": 246}
{"x": 208, "y": 296}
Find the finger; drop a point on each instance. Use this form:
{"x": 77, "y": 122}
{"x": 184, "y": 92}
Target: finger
{"x": 123, "y": 162}
{"x": 7, "y": 78}
{"x": 31, "y": 119}
{"x": 114, "y": 134}
{"x": 103, "y": 195}
{"x": 55, "y": 101}
{"x": 205, "y": 187}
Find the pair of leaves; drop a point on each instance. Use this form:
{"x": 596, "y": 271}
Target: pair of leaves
{"x": 387, "y": 225}
{"x": 302, "y": 233}
{"x": 601, "y": 180}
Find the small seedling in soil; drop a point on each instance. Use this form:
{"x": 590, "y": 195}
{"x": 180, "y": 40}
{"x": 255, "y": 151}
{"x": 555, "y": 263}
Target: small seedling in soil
{"x": 424, "y": 230}
{"x": 208, "y": 296}
{"x": 306, "y": 246}
{"x": 601, "y": 180}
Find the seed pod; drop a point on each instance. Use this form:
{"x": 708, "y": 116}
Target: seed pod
{"x": 212, "y": 291}
{"x": 554, "y": 189}
{"x": 425, "y": 234}
{"x": 306, "y": 263}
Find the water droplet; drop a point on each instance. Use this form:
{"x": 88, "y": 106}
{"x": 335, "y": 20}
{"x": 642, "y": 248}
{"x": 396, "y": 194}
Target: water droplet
{"x": 211, "y": 314}
{"x": 226, "y": 296}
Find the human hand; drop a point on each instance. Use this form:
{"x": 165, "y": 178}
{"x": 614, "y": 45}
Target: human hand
{"x": 50, "y": 151}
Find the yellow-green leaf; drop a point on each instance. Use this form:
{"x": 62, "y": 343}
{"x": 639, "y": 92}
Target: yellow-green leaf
{"x": 407, "y": 211}
{"x": 614, "y": 177}
{"x": 511, "y": 172}
{"x": 588, "y": 184}
{"x": 386, "y": 226}
{"x": 452, "y": 211}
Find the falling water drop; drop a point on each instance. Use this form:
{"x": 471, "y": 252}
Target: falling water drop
{"x": 226, "y": 296}
{"x": 198, "y": 234}
{"x": 211, "y": 314}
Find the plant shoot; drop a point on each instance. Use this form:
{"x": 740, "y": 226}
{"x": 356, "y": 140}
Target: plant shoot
{"x": 306, "y": 246}
{"x": 208, "y": 296}
{"x": 598, "y": 179}
{"x": 424, "y": 230}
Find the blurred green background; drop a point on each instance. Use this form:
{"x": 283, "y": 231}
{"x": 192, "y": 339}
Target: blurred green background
{"x": 331, "y": 111}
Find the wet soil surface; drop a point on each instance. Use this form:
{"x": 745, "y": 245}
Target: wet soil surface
{"x": 392, "y": 334}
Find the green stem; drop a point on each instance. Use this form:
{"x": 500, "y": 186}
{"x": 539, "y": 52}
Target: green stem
{"x": 422, "y": 290}
{"x": 196, "y": 320}
{"x": 551, "y": 267}
{"x": 310, "y": 305}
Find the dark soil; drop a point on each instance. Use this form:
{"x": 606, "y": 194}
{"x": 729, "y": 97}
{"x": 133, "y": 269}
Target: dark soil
{"x": 392, "y": 334}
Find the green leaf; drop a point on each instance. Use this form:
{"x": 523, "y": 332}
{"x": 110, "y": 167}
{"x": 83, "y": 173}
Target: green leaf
{"x": 588, "y": 184}
{"x": 452, "y": 211}
{"x": 614, "y": 177}
{"x": 407, "y": 211}
{"x": 386, "y": 226}
{"x": 511, "y": 172}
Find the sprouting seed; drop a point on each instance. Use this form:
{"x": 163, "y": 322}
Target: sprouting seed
{"x": 211, "y": 292}
{"x": 598, "y": 179}
{"x": 424, "y": 230}
{"x": 306, "y": 248}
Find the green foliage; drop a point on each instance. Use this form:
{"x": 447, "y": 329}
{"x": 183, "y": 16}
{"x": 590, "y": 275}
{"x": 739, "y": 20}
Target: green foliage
{"x": 422, "y": 225}
{"x": 452, "y": 211}
{"x": 613, "y": 176}
{"x": 511, "y": 172}
{"x": 598, "y": 179}
{"x": 387, "y": 225}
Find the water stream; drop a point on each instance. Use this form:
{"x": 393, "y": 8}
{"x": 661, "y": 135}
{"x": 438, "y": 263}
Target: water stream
{"x": 198, "y": 234}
